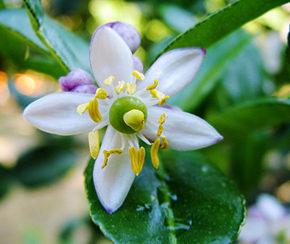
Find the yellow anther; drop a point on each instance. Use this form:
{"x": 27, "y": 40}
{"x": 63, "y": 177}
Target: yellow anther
{"x": 109, "y": 80}
{"x": 165, "y": 142}
{"x": 134, "y": 119}
{"x": 120, "y": 87}
{"x": 162, "y": 118}
{"x": 153, "y": 86}
{"x": 82, "y": 108}
{"x": 94, "y": 111}
{"x": 161, "y": 121}
{"x": 94, "y": 142}
{"x": 108, "y": 153}
{"x": 138, "y": 75}
{"x": 161, "y": 96}
{"x": 154, "y": 153}
{"x": 137, "y": 157}
{"x": 131, "y": 87}
{"x": 101, "y": 93}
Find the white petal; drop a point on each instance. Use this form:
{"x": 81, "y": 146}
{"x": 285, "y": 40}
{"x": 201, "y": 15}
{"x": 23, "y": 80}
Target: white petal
{"x": 174, "y": 69}
{"x": 110, "y": 55}
{"x": 56, "y": 113}
{"x": 184, "y": 131}
{"x": 113, "y": 183}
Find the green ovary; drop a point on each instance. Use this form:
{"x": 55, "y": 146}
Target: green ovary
{"x": 128, "y": 114}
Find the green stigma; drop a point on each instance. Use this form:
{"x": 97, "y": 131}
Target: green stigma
{"x": 128, "y": 114}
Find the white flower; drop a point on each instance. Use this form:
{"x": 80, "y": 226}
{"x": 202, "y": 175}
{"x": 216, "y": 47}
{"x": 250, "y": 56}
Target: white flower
{"x": 267, "y": 221}
{"x": 130, "y": 105}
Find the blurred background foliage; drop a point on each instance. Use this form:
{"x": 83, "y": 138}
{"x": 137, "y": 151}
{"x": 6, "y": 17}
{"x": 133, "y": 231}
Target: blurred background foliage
{"x": 242, "y": 89}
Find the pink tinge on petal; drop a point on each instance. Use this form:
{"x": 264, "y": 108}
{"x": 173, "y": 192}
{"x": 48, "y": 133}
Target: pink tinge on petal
{"x": 75, "y": 78}
{"x": 128, "y": 33}
{"x": 90, "y": 89}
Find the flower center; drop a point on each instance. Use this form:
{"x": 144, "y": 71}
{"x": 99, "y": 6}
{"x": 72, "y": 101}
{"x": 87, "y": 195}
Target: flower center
{"x": 128, "y": 114}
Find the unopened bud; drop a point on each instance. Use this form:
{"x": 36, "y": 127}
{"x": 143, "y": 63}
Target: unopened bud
{"x": 128, "y": 33}
{"x": 75, "y": 78}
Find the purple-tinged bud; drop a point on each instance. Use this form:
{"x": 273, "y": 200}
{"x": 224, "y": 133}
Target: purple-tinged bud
{"x": 128, "y": 33}
{"x": 75, "y": 78}
{"x": 138, "y": 65}
{"x": 85, "y": 89}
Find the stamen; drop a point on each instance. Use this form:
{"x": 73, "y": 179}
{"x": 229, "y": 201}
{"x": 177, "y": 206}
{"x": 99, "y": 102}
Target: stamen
{"x": 153, "y": 86}
{"x": 94, "y": 111}
{"x": 165, "y": 142}
{"x": 120, "y": 87}
{"x": 138, "y": 75}
{"x": 94, "y": 142}
{"x": 101, "y": 93}
{"x": 161, "y": 121}
{"x": 134, "y": 119}
{"x": 108, "y": 153}
{"x": 82, "y": 108}
{"x": 161, "y": 96}
{"x": 154, "y": 153}
{"x": 109, "y": 80}
{"x": 137, "y": 157}
{"x": 131, "y": 87}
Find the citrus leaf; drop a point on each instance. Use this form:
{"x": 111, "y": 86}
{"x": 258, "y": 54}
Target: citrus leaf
{"x": 221, "y": 23}
{"x": 67, "y": 48}
{"x": 242, "y": 119}
{"x": 217, "y": 60}
{"x": 187, "y": 201}
{"x": 43, "y": 165}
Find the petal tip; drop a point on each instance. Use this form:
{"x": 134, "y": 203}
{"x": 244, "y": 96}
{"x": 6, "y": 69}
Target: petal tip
{"x": 203, "y": 50}
{"x": 219, "y": 138}
{"x": 109, "y": 210}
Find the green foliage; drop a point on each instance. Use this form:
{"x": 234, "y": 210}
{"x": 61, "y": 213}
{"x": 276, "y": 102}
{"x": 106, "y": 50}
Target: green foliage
{"x": 219, "y": 24}
{"x": 21, "y": 46}
{"x": 217, "y": 60}
{"x": 188, "y": 200}
{"x": 245, "y": 118}
{"x": 43, "y": 165}
{"x": 68, "y": 49}
{"x": 5, "y": 180}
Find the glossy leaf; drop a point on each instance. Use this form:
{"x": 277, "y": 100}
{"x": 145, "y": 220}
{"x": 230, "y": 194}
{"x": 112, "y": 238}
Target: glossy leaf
{"x": 221, "y": 23}
{"x": 217, "y": 60}
{"x": 68, "y": 49}
{"x": 43, "y": 165}
{"x": 187, "y": 201}
{"x": 241, "y": 120}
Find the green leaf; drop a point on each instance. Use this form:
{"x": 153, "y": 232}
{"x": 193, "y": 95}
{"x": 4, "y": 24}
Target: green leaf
{"x": 187, "y": 201}
{"x": 5, "y": 180}
{"x": 244, "y": 77}
{"x": 221, "y": 23}
{"x": 68, "y": 49}
{"x": 217, "y": 60}
{"x": 17, "y": 22}
{"x": 245, "y": 118}
{"x": 247, "y": 157}
{"x": 43, "y": 165}
{"x": 21, "y": 40}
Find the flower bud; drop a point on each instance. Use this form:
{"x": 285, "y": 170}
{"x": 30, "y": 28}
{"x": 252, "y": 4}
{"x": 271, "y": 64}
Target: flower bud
{"x": 128, "y": 33}
{"x": 75, "y": 78}
{"x": 138, "y": 65}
